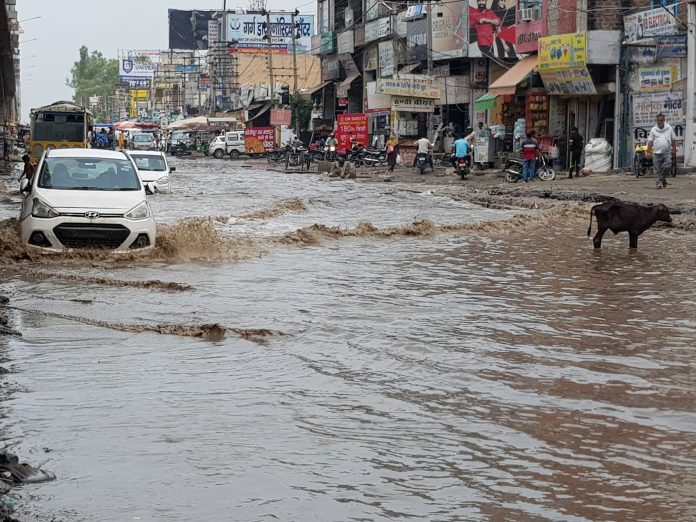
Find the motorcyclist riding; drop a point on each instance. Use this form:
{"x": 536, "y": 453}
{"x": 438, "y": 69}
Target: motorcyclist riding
{"x": 461, "y": 148}
{"x": 424, "y": 148}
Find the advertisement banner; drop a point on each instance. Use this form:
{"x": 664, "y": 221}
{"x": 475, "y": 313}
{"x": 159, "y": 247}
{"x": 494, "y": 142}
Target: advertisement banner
{"x": 386, "y": 58}
{"x": 657, "y": 78}
{"x": 281, "y": 116}
{"x": 249, "y": 31}
{"x": 136, "y": 66}
{"x": 646, "y": 107}
{"x": 344, "y": 43}
{"x": 189, "y": 29}
{"x": 351, "y": 126}
{"x": 417, "y": 40}
{"x": 575, "y": 80}
{"x": 187, "y": 68}
{"x": 450, "y": 29}
{"x": 487, "y": 39}
{"x": 406, "y": 104}
{"x": 377, "y": 29}
{"x": 671, "y": 46}
{"x": 562, "y": 51}
{"x": 528, "y": 34}
{"x": 648, "y": 24}
{"x": 417, "y": 86}
{"x": 213, "y": 30}
{"x": 258, "y": 140}
{"x": 371, "y": 59}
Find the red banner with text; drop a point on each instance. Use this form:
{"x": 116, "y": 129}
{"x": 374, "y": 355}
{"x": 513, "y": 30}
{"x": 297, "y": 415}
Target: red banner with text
{"x": 258, "y": 140}
{"x": 351, "y": 126}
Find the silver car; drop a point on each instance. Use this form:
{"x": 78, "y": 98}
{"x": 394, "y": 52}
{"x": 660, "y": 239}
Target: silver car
{"x": 142, "y": 141}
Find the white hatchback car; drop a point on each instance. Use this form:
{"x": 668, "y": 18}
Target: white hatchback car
{"x": 86, "y": 198}
{"x": 153, "y": 169}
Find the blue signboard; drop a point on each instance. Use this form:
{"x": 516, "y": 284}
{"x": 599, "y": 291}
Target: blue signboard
{"x": 672, "y": 46}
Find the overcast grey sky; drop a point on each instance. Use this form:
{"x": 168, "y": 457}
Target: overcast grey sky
{"x": 66, "y": 25}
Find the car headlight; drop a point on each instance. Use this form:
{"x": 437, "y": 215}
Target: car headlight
{"x": 142, "y": 211}
{"x": 163, "y": 180}
{"x": 42, "y": 210}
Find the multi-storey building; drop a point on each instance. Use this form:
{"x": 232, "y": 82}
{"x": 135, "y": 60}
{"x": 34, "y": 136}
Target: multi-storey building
{"x": 415, "y": 67}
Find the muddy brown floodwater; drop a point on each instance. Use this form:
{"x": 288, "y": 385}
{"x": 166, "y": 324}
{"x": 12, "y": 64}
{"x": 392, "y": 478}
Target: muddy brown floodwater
{"x": 298, "y": 349}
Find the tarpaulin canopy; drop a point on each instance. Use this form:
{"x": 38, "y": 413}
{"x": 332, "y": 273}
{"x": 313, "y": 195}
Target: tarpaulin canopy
{"x": 485, "y": 102}
{"x": 189, "y": 123}
{"x": 507, "y": 83}
{"x": 128, "y": 125}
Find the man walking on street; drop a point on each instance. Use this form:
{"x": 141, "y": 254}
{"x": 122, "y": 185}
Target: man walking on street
{"x": 662, "y": 147}
{"x": 530, "y": 152}
{"x": 575, "y": 145}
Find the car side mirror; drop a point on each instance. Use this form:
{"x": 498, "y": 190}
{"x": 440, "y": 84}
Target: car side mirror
{"x": 24, "y": 186}
{"x": 148, "y": 190}
{"x": 172, "y": 169}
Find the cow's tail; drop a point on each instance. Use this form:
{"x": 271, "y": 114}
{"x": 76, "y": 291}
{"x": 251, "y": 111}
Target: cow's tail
{"x": 592, "y": 213}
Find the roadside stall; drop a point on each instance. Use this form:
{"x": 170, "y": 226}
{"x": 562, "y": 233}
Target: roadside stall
{"x": 413, "y": 103}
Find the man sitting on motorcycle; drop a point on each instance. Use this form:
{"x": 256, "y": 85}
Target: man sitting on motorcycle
{"x": 424, "y": 147}
{"x": 461, "y": 149}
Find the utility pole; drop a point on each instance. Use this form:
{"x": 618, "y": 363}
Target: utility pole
{"x": 294, "y": 73}
{"x": 690, "y": 138}
{"x": 270, "y": 58}
{"x": 429, "y": 37}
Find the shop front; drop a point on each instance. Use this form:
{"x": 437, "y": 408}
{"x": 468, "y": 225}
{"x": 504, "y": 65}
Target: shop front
{"x": 515, "y": 103}
{"x": 580, "y": 95}
{"x": 413, "y": 99}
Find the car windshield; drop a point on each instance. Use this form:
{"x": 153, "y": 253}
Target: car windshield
{"x": 88, "y": 174}
{"x": 149, "y": 162}
{"x": 143, "y": 137}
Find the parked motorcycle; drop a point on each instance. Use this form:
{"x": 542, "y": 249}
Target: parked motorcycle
{"x": 642, "y": 163}
{"x": 373, "y": 157}
{"x": 180, "y": 149}
{"x": 513, "y": 169}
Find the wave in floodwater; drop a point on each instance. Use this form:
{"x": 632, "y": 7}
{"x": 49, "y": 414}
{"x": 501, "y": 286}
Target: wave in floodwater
{"x": 199, "y": 239}
{"x": 150, "y": 284}
{"x": 210, "y": 332}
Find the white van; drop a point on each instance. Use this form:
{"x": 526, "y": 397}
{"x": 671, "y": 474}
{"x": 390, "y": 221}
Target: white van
{"x": 231, "y": 143}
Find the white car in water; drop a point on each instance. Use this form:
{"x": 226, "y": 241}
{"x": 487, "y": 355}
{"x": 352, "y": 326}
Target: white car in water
{"x": 86, "y": 198}
{"x": 142, "y": 141}
{"x": 153, "y": 169}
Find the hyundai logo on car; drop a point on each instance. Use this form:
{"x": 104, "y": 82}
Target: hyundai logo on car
{"x": 92, "y": 215}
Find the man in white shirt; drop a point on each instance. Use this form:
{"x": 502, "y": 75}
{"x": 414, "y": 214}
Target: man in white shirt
{"x": 662, "y": 147}
{"x": 424, "y": 147}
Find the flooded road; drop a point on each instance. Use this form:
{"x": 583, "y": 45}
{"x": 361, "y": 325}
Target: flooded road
{"x": 445, "y": 362}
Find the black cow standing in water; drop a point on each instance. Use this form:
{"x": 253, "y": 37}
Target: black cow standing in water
{"x": 626, "y": 217}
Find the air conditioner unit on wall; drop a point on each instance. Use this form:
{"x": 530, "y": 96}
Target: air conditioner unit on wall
{"x": 527, "y": 14}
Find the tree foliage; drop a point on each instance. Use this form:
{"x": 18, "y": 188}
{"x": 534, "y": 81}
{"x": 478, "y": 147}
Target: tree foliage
{"x": 302, "y": 110}
{"x": 93, "y": 75}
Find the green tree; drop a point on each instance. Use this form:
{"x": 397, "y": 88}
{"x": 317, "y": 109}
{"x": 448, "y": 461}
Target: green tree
{"x": 93, "y": 75}
{"x": 301, "y": 111}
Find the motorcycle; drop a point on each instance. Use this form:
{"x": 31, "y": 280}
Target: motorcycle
{"x": 513, "y": 169}
{"x": 422, "y": 162}
{"x": 330, "y": 154}
{"x": 462, "y": 166}
{"x": 642, "y": 163}
{"x": 373, "y": 157}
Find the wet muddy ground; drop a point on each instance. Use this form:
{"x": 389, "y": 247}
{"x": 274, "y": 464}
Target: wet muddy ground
{"x": 300, "y": 349}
